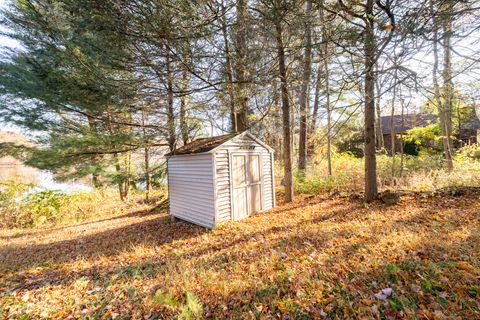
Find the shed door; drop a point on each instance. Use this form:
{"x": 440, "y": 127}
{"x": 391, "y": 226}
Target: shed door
{"x": 247, "y": 187}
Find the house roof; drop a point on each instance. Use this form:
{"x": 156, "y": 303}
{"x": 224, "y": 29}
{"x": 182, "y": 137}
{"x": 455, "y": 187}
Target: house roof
{"x": 410, "y": 121}
{"x": 202, "y": 145}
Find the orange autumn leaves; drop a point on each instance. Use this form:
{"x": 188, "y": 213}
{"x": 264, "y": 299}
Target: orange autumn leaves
{"x": 315, "y": 258}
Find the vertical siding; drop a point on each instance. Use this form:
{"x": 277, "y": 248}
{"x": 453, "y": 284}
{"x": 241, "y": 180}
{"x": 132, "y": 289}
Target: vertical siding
{"x": 191, "y": 190}
{"x": 223, "y": 185}
{"x": 268, "y": 192}
{"x": 223, "y": 175}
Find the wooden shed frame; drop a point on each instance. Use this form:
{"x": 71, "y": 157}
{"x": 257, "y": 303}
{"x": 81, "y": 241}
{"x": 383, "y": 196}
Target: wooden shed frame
{"x": 191, "y": 188}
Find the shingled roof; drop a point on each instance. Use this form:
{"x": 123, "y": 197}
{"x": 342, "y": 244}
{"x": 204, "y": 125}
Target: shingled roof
{"x": 202, "y": 145}
{"x": 410, "y": 121}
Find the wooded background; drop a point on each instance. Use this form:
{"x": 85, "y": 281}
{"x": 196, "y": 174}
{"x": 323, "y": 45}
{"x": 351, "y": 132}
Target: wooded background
{"x": 105, "y": 88}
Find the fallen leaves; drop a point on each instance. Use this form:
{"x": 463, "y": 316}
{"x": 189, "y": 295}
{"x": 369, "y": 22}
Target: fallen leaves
{"x": 314, "y": 258}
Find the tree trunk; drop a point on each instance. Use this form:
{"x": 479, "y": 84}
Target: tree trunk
{"x": 316, "y": 99}
{"x": 304, "y": 94}
{"x": 170, "y": 111}
{"x": 287, "y": 141}
{"x": 95, "y": 176}
{"x": 328, "y": 107}
{"x": 392, "y": 124}
{"x": 402, "y": 141}
{"x": 379, "y": 133}
{"x": 240, "y": 65}
{"x": 446, "y": 117}
{"x": 371, "y": 189}
{"x": 123, "y": 184}
{"x": 229, "y": 71}
{"x": 442, "y": 103}
{"x": 329, "y": 138}
{"x": 146, "y": 153}
{"x": 184, "y": 99}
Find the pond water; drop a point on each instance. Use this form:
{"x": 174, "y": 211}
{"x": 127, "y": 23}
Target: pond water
{"x": 47, "y": 182}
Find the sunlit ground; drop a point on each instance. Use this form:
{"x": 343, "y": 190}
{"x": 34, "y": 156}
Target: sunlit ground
{"x": 314, "y": 258}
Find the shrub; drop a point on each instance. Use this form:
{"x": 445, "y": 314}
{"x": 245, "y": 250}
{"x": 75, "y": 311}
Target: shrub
{"x": 21, "y": 209}
{"x": 411, "y": 148}
{"x": 468, "y": 152}
{"x": 10, "y": 190}
{"x": 39, "y": 207}
{"x": 425, "y": 172}
{"x": 427, "y": 137}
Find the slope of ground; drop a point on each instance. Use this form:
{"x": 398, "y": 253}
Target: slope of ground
{"x": 307, "y": 260}
{"x": 11, "y": 168}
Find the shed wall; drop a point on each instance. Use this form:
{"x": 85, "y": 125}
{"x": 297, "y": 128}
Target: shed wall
{"x": 223, "y": 185}
{"x": 223, "y": 182}
{"x": 191, "y": 190}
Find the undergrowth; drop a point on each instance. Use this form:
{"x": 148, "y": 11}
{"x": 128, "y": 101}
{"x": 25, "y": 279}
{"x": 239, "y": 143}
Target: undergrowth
{"x": 425, "y": 172}
{"x": 21, "y": 207}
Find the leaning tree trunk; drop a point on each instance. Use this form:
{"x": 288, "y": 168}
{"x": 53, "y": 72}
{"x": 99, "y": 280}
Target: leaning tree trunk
{"x": 371, "y": 189}
{"x": 287, "y": 141}
{"x": 304, "y": 94}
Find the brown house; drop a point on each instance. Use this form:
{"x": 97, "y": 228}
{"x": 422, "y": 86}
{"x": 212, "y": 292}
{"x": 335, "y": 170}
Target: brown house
{"x": 410, "y": 121}
{"x": 466, "y": 132}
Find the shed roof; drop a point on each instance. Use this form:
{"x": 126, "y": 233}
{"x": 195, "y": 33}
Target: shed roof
{"x": 208, "y": 144}
{"x": 202, "y": 145}
{"x": 410, "y": 121}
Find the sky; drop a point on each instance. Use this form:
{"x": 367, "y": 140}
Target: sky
{"x": 4, "y": 41}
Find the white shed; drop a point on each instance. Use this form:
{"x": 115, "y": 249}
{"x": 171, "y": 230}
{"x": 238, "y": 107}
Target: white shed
{"x": 213, "y": 180}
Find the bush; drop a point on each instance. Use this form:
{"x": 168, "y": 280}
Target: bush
{"x": 468, "y": 152}
{"x": 425, "y": 172}
{"x": 21, "y": 209}
{"x": 10, "y": 190}
{"x": 411, "y": 148}
{"x": 39, "y": 207}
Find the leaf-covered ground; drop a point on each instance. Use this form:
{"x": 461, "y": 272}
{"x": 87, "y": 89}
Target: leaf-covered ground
{"x": 314, "y": 258}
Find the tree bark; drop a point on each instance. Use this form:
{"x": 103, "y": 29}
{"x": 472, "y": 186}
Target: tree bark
{"x": 146, "y": 158}
{"x": 402, "y": 140}
{"x": 287, "y": 141}
{"x": 443, "y": 104}
{"x": 304, "y": 94}
{"x": 170, "y": 110}
{"x": 240, "y": 65}
{"x": 95, "y": 176}
{"x": 184, "y": 98}
{"x": 392, "y": 123}
{"x": 371, "y": 189}
{"x": 379, "y": 133}
{"x": 446, "y": 117}
{"x": 229, "y": 71}
{"x": 328, "y": 107}
{"x": 316, "y": 99}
